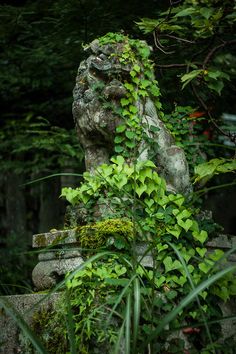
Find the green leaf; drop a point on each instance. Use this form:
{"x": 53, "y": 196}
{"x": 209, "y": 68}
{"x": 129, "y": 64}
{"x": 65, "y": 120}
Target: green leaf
{"x": 186, "y": 12}
{"x": 171, "y": 265}
{"x": 216, "y": 86}
{"x": 185, "y": 224}
{"x": 124, "y": 102}
{"x": 136, "y": 68}
{"x": 119, "y": 148}
{"x": 130, "y": 144}
{"x": 175, "y": 230}
{"x": 159, "y": 281}
{"x": 179, "y": 280}
{"x": 129, "y": 86}
{"x": 140, "y": 189}
{"x": 133, "y": 109}
{"x": 190, "y": 76}
{"x": 155, "y": 91}
{"x": 201, "y": 251}
{"x": 206, "y": 12}
{"x": 213, "y": 167}
{"x": 200, "y": 236}
{"x": 144, "y": 83}
{"x": 130, "y": 134}
{"x": 118, "y": 139}
{"x": 133, "y": 73}
{"x": 121, "y": 128}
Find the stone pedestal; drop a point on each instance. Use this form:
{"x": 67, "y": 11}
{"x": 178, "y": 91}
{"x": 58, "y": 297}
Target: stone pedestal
{"x": 59, "y": 254}
{"x": 26, "y": 305}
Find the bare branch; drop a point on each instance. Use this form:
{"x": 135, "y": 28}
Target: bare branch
{"x": 215, "y": 49}
{"x": 178, "y": 38}
{"x": 232, "y": 137}
{"x": 158, "y": 44}
{"x": 172, "y": 65}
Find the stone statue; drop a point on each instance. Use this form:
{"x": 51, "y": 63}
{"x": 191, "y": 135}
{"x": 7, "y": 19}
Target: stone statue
{"x": 100, "y": 78}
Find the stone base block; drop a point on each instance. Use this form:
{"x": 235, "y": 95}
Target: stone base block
{"x": 27, "y": 306}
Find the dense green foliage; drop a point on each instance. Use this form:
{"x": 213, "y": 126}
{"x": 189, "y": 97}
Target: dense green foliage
{"x": 145, "y": 298}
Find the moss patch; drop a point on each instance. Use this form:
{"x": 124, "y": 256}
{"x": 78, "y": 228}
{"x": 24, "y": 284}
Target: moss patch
{"x": 97, "y": 234}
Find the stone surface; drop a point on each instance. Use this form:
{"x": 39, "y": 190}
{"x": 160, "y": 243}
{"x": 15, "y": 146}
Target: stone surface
{"x": 224, "y": 242}
{"x": 26, "y": 305}
{"x": 100, "y": 80}
{"x": 48, "y": 273}
{"x": 55, "y": 238}
{"x": 58, "y": 256}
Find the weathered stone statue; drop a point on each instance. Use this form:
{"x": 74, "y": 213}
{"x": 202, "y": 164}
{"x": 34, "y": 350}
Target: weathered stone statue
{"x": 101, "y": 78}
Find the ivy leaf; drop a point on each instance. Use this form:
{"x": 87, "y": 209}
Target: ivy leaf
{"x": 171, "y": 265}
{"x": 129, "y": 86}
{"x": 213, "y": 167}
{"x": 118, "y": 139}
{"x": 179, "y": 280}
{"x": 200, "y": 236}
{"x": 121, "y": 181}
{"x": 144, "y": 83}
{"x": 130, "y": 134}
{"x": 124, "y": 102}
{"x": 118, "y": 160}
{"x": 130, "y": 144}
{"x": 201, "y": 251}
{"x": 133, "y": 73}
{"x": 149, "y": 202}
{"x": 159, "y": 281}
{"x": 121, "y": 128}
{"x": 155, "y": 91}
{"x": 119, "y": 149}
{"x": 205, "y": 266}
{"x": 140, "y": 189}
{"x": 185, "y": 224}
{"x": 175, "y": 231}
{"x": 133, "y": 109}
{"x": 136, "y": 68}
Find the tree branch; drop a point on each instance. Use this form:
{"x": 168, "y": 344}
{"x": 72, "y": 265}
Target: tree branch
{"x": 215, "y": 49}
{"x": 232, "y": 137}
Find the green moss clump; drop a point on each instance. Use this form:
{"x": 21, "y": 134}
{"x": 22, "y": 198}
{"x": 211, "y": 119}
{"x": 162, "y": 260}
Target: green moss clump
{"x": 49, "y": 326}
{"x": 96, "y": 235}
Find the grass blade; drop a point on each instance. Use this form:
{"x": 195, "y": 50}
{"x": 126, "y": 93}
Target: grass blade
{"x": 127, "y": 324}
{"x": 122, "y": 294}
{"x": 15, "y": 315}
{"x": 70, "y": 324}
{"x": 52, "y": 176}
{"x": 136, "y": 315}
{"x": 193, "y": 288}
{"x": 120, "y": 336}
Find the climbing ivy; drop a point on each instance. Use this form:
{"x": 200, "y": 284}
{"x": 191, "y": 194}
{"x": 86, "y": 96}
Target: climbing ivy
{"x": 141, "y": 84}
{"x": 130, "y": 193}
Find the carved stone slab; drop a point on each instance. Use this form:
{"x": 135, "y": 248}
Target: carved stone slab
{"x": 58, "y": 257}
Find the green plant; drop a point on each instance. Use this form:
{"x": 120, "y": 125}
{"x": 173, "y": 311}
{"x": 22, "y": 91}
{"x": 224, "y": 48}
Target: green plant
{"x": 140, "y": 84}
{"x": 167, "y": 224}
{"x": 159, "y": 219}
